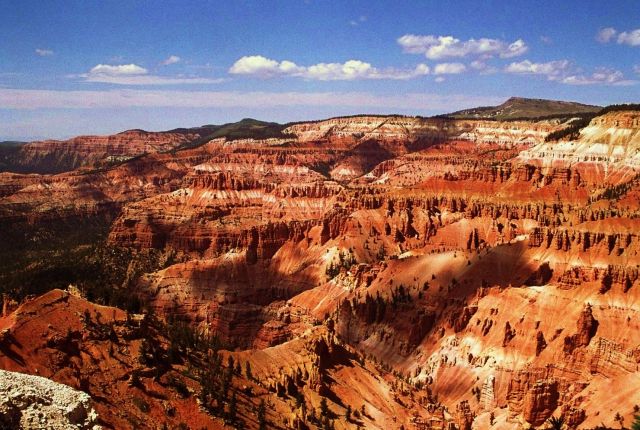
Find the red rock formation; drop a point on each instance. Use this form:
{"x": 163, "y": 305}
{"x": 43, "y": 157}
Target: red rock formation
{"x": 464, "y": 416}
{"x": 94, "y": 348}
{"x": 540, "y": 401}
{"x": 449, "y": 251}
{"x": 587, "y": 328}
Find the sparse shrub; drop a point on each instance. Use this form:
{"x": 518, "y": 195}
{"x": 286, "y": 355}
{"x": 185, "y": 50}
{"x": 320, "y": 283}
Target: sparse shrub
{"x": 556, "y": 422}
{"x": 179, "y": 386}
{"x": 262, "y": 416}
{"x": 142, "y": 405}
{"x": 247, "y": 370}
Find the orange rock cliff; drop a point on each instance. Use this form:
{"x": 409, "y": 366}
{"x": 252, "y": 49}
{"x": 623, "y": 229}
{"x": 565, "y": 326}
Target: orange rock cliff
{"x": 357, "y": 272}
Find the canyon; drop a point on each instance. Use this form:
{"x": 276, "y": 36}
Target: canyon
{"x": 453, "y": 272}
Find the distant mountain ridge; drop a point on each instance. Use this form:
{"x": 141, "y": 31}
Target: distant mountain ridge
{"x": 525, "y": 108}
{"x": 57, "y": 156}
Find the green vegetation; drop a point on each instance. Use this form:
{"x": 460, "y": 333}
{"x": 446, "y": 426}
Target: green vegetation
{"x": 232, "y": 415}
{"x": 324, "y": 408}
{"x": 618, "y": 108}
{"x": 37, "y": 259}
{"x": 9, "y": 151}
{"x": 184, "y": 339}
{"x": 345, "y": 261}
{"x": 518, "y": 109}
{"x": 247, "y": 371}
{"x": 245, "y": 129}
{"x": 615, "y": 192}
{"x": 142, "y": 405}
{"x": 556, "y": 423}
{"x": 572, "y": 132}
{"x": 363, "y": 115}
{"x": 262, "y": 416}
{"x": 324, "y": 417}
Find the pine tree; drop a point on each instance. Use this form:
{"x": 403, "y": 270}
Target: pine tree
{"x": 206, "y": 390}
{"x": 230, "y": 362}
{"x": 226, "y": 384}
{"x": 247, "y": 370}
{"x": 324, "y": 408}
{"x": 327, "y": 424}
{"x": 556, "y": 423}
{"x": 262, "y": 416}
{"x": 635, "y": 425}
{"x": 233, "y": 408}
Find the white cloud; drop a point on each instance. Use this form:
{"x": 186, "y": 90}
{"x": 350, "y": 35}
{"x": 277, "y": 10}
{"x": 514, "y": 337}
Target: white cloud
{"x": 449, "y": 68}
{"x": 121, "y": 70}
{"x": 604, "y": 76}
{"x": 440, "y": 79}
{"x": 360, "y": 20}
{"x": 128, "y": 98}
{"x": 483, "y": 67}
{"x": 171, "y": 59}
{"x": 631, "y": 38}
{"x": 259, "y": 66}
{"x": 438, "y": 47}
{"x": 562, "y": 71}
{"x": 515, "y": 49}
{"x": 132, "y": 74}
{"x": 636, "y": 68}
{"x": 151, "y": 80}
{"x": 546, "y": 40}
{"x": 553, "y": 70}
{"x": 44, "y": 52}
{"x": 352, "y": 69}
{"x": 605, "y": 35}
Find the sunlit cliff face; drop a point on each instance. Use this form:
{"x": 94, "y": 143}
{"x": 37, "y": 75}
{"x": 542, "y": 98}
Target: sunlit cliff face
{"x": 432, "y": 270}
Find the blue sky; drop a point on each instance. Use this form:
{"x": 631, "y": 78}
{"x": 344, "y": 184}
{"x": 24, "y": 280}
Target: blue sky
{"x": 80, "y": 67}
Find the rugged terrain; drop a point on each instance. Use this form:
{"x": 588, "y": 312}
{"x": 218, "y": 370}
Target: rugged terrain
{"x": 424, "y": 272}
{"x": 35, "y": 402}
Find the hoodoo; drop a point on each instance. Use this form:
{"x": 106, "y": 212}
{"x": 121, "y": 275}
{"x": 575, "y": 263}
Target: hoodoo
{"x": 473, "y": 270}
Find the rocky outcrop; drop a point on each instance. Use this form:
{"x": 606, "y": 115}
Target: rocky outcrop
{"x": 541, "y": 343}
{"x": 533, "y": 396}
{"x": 509, "y": 334}
{"x": 587, "y": 327}
{"x": 460, "y": 323}
{"x": 397, "y": 133}
{"x": 29, "y": 402}
{"x": 612, "y": 139}
{"x": 463, "y": 416}
{"x": 96, "y": 349}
{"x": 540, "y": 402}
